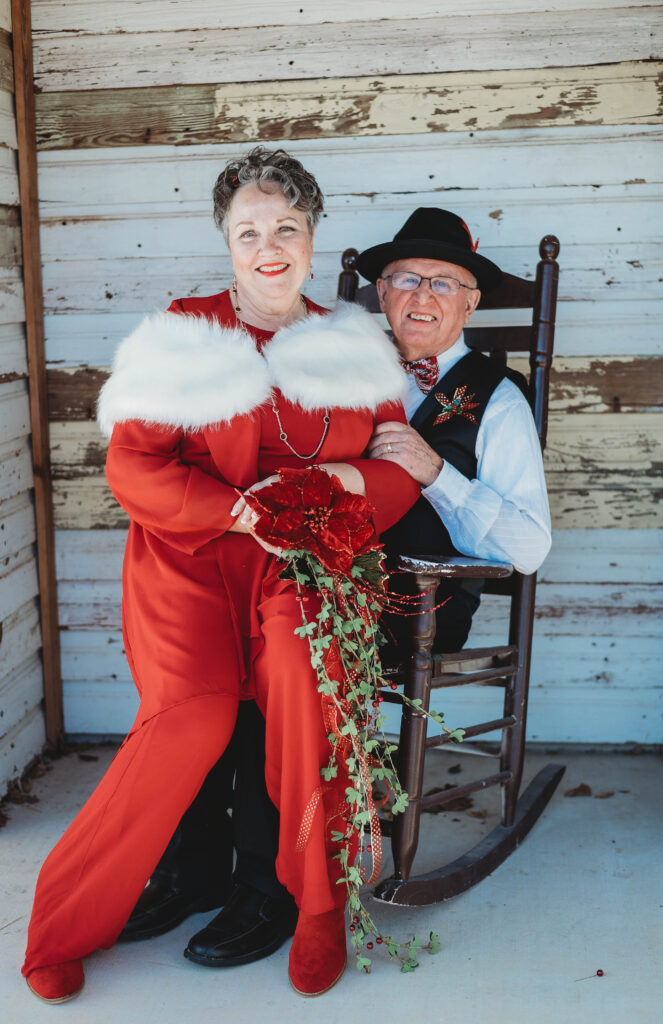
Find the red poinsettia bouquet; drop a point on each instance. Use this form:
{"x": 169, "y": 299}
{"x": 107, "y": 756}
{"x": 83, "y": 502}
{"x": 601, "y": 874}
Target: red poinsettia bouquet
{"x": 310, "y": 509}
{"x": 330, "y": 546}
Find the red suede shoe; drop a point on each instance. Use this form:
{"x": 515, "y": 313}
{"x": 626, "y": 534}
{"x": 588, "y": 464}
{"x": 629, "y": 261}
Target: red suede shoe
{"x": 317, "y": 955}
{"x": 57, "y": 983}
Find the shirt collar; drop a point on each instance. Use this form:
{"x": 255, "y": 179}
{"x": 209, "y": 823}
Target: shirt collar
{"x": 414, "y": 397}
{"x": 451, "y": 356}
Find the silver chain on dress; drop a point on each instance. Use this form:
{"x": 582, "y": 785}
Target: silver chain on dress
{"x": 282, "y": 434}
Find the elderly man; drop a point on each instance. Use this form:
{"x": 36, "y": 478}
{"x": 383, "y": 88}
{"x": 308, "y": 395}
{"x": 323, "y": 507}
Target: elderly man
{"x": 471, "y": 441}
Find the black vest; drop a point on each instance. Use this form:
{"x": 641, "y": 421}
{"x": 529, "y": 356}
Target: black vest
{"x": 421, "y": 533}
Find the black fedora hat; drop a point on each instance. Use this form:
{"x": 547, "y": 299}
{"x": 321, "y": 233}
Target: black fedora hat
{"x": 431, "y": 234}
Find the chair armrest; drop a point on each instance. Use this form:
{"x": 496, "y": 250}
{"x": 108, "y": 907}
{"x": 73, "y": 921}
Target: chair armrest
{"x": 456, "y": 567}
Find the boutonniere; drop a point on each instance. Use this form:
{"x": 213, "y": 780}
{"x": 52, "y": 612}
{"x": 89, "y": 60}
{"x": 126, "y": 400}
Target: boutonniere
{"x": 459, "y": 405}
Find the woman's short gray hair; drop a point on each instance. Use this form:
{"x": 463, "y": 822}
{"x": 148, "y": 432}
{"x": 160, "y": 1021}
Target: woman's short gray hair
{"x": 263, "y": 167}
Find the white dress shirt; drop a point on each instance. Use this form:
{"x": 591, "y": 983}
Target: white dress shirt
{"x": 503, "y": 513}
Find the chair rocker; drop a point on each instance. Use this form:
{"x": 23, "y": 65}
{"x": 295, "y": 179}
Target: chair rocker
{"x": 507, "y": 666}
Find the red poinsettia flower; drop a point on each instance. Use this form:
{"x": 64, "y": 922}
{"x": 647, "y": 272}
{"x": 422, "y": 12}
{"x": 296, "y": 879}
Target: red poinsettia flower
{"x": 310, "y": 509}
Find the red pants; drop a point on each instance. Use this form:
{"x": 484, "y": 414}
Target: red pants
{"x": 91, "y": 880}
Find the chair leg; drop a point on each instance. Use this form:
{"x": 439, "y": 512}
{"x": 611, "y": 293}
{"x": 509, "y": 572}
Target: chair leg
{"x": 515, "y": 702}
{"x": 412, "y": 746}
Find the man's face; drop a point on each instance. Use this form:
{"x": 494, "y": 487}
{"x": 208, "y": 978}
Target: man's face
{"x": 424, "y": 323}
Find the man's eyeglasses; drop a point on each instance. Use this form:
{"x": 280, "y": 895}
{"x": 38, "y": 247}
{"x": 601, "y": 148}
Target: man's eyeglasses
{"x": 407, "y": 282}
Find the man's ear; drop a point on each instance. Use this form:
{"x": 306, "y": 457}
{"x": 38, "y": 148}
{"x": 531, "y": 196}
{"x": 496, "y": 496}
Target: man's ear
{"x": 381, "y": 286}
{"x": 471, "y": 303}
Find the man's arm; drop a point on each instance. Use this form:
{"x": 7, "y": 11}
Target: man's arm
{"x": 503, "y": 513}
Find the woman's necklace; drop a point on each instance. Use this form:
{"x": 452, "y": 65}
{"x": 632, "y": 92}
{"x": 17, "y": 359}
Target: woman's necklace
{"x": 282, "y": 434}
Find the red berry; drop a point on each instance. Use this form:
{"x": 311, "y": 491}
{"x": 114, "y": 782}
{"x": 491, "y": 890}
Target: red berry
{"x": 394, "y": 686}
{"x": 369, "y": 945}
{"x": 352, "y": 928}
{"x": 599, "y": 974}
{"x": 376, "y": 703}
{"x": 369, "y": 849}
{"x": 379, "y": 940}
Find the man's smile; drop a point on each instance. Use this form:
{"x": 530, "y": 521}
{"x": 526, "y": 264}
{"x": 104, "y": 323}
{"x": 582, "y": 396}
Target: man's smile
{"x": 427, "y": 318}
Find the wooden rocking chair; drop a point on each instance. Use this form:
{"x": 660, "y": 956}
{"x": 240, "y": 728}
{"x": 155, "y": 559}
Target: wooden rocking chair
{"x": 507, "y": 666}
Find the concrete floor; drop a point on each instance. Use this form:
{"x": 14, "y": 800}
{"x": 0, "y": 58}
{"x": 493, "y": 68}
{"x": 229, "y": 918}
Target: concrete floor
{"x": 583, "y": 893}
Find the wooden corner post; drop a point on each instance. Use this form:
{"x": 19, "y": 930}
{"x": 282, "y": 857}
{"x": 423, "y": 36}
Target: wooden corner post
{"x": 34, "y": 323}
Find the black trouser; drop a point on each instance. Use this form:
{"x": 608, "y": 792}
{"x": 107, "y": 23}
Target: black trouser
{"x": 199, "y": 857}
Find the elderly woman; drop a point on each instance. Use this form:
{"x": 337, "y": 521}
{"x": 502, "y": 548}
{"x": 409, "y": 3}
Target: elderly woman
{"x": 206, "y": 402}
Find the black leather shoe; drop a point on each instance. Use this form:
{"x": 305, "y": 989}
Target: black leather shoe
{"x": 250, "y": 927}
{"x": 160, "y": 909}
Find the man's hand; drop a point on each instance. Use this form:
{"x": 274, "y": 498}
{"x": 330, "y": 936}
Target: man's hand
{"x": 400, "y": 443}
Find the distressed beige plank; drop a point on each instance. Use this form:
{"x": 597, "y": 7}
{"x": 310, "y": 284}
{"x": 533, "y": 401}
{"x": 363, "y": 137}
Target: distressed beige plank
{"x": 588, "y": 272}
{"x": 628, "y": 93}
{"x": 20, "y": 692}
{"x": 18, "y": 587}
{"x": 329, "y": 50}
{"x": 583, "y": 328}
{"x": 560, "y": 714}
{"x": 6, "y": 61}
{"x": 21, "y": 636}
{"x": 139, "y": 180}
{"x": 576, "y": 556}
{"x": 601, "y": 471}
{"x": 578, "y": 385}
{"x": 617, "y": 446}
{"x": 17, "y": 530}
{"x": 619, "y": 384}
{"x": 15, "y": 468}
{"x": 8, "y": 176}
{"x": 14, "y": 410}
{"x": 582, "y": 609}
{"x": 97, "y": 656}
{"x": 88, "y": 504}
{"x": 617, "y": 214}
{"x": 7, "y": 121}
{"x": 11, "y": 254}
{"x": 13, "y": 354}
{"x": 6, "y": 15}
{"x": 12, "y": 295}
{"x": 129, "y": 16}
{"x": 20, "y": 744}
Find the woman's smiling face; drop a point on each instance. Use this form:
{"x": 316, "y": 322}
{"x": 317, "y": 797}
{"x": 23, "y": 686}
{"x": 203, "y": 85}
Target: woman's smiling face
{"x": 271, "y": 246}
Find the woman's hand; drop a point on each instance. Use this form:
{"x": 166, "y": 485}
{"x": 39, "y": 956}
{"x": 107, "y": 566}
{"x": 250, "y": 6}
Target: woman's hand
{"x": 246, "y": 518}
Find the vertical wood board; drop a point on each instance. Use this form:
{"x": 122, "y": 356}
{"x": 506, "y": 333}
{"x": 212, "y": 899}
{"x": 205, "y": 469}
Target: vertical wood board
{"x": 34, "y": 316}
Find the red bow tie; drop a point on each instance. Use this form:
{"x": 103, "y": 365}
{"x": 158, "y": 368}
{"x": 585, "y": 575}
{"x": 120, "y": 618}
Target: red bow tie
{"x": 424, "y": 372}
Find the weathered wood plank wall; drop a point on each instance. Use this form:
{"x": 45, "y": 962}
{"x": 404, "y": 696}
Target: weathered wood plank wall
{"x": 525, "y": 121}
{"x": 22, "y": 732}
